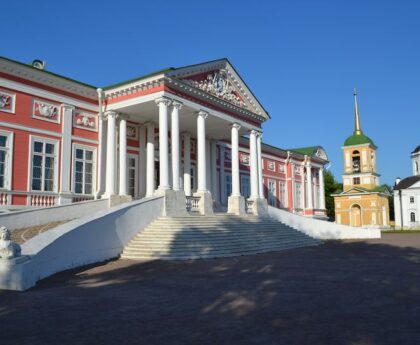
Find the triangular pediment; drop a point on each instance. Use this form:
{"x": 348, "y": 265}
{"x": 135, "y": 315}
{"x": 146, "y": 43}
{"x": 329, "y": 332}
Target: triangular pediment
{"x": 354, "y": 190}
{"x": 220, "y": 79}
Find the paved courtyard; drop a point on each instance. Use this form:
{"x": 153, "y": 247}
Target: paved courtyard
{"x": 360, "y": 292}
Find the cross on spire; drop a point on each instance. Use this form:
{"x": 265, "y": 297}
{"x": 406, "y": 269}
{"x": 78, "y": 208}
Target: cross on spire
{"x": 357, "y": 128}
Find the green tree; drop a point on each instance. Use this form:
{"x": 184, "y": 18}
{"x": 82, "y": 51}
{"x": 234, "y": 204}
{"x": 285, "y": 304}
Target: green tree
{"x": 331, "y": 186}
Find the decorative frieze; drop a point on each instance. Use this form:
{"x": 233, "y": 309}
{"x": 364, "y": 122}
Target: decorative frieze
{"x": 244, "y": 159}
{"x": 7, "y": 102}
{"x": 132, "y": 131}
{"x": 46, "y": 111}
{"x": 84, "y": 120}
{"x": 271, "y": 166}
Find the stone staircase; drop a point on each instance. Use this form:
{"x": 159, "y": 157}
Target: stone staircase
{"x": 199, "y": 237}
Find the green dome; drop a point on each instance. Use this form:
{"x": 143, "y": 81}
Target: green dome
{"x": 358, "y": 139}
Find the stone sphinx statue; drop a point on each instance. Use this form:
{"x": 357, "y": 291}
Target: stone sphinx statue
{"x": 8, "y": 248}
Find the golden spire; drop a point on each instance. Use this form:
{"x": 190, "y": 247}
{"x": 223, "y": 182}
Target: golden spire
{"x": 357, "y": 129}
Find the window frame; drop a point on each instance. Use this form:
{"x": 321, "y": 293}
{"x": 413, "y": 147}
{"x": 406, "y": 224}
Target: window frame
{"x": 56, "y": 144}
{"x": 136, "y": 174}
{"x": 76, "y": 146}
{"x": 8, "y": 171}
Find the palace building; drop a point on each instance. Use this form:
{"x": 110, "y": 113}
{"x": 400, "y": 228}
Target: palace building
{"x": 192, "y": 133}
{"x": 363, "y": 201}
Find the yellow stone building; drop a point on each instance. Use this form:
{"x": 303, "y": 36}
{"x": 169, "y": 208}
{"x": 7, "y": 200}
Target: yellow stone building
{"x": 363, "y": 201}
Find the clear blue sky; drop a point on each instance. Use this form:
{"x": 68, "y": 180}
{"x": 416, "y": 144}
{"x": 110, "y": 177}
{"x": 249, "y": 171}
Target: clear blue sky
{"x": 301, "y": 58}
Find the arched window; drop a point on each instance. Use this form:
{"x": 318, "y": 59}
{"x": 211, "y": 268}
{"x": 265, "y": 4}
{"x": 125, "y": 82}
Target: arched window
{"x": 412, "y": 217}
{"x": 356, "y": 161}
{"x": 417, "y": 168}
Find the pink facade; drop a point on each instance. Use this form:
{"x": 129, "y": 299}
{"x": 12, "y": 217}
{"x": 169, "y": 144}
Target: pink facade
{"x": 54, "y": 140}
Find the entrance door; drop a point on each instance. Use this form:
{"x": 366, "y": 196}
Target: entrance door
{"x": 356, "y": 215}
{"x": 132, "y": 175}
{"x": 245, "y": 188}
{"x": 272, "y": 199}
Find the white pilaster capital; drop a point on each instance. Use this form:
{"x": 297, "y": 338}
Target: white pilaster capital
{"x": 202, "y": 114}
{"x": 111, "y": 114}
{"x": 259, "y": 135}
{"x": 237, "y": 126}
{"x": 163, "y": 100}
{"x": 254, "y": 132}
{"x": 177, "y": 105}
{"x": 68, "y": 107}
{"x": 122, "y": 116}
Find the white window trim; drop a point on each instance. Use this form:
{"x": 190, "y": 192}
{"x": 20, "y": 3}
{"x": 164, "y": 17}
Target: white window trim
{"x": 32, "y": 139}
{"x": 73, "y": 167}
{"x": 9, "y": 160}
{"x": 136, "y": 173}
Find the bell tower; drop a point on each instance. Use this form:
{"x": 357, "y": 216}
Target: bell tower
{"x": 359, "y": 157}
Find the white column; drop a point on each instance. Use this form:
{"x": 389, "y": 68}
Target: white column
{"x": 187, "y": 163}
{"x": 236, "y": 191}
{"x": 253, "y": 164}
{"x": 208, "y": 165}
{"x": 142, "y": 161}
{"x": 223, "y": 196}
{"x": 214, "y": 186}
{"x": 175, "y": 144}
{"x": 201, "y": 151}
{"x": 67, "y": 125}
{"x": 309, "y": 187}
{"x": 321, "y": 189}
{"x": 150, "y": 176}
{"x": 123, "y": 156}
{"x": 260, "y": 175}
{"x": 163, "y": 104}
{"x": 111, "y": 153}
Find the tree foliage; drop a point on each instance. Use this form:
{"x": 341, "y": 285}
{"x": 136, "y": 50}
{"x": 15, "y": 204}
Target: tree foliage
{"x": 331, "y": 186}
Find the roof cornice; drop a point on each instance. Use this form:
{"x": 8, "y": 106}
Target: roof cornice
{"x": 46, "y": 78}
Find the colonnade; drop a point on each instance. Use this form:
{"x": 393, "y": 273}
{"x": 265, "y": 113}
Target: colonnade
{"x": 147, "y": 155}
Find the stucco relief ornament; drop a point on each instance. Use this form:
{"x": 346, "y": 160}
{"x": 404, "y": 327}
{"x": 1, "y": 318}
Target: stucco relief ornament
{"x": 131, "y": 132}
{"x": 4, "y": 101}
{"x": 217, "y": 84}
{"x": 8, "y": 248}
{"x": 84, "y": 121}
{"x": 46, "y": 110}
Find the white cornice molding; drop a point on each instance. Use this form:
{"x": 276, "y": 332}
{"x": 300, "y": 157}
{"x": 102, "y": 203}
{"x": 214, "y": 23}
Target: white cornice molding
{"x": 135, "y": 86}
{"x": 41, "y": 77}
{"x": 35, "y": 91}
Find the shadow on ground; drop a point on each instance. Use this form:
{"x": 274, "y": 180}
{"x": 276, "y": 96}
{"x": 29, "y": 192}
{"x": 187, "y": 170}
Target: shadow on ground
{"x": 361, "y": 292}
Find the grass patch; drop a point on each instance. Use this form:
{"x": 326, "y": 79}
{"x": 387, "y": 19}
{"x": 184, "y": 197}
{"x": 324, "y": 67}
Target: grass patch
{"x": 415, "y": 231}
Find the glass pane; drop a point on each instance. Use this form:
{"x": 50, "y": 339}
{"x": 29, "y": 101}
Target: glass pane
{"x": 88, "y": 167}
{"x": 3, "y": 141}
{"x": 79, "y": 166}
{"x": 49, "y": 173}
{"x": 89, "y": 155}
{"x": 131, "y": 173}
{"x": 79, "y": 153}
{"x": 2, "y": 156}
{"x": 79, "y": 177}
{"x": 37, "y": 161}
{"x": 36, "y": 184}
{"x": 49, "y": 185}
{"x": 49, "y": 162}
{"x": 2, "y": 169}
{"x": 36, "y": 172}
{"x": 1, "y": 182}
{"x": 88, "y": 189}
{"x": 88, "y": 178}
{"x": 132, "y": 163}
{"x": 38, "y": 146}
{"x": 78, "y": 188}
{"x": 49, "y": 148}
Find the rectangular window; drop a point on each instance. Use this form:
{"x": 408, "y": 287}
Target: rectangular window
{"x": 44, "y": 161}
{"x": 5, "y": 162}
{"x": 356, "y": 180}
{"x": 228, "y": 179}
{"x": 132, "y": 175}
{"x": 411, "y": 199}
{"x": 83, "y": 170}
{"x": 272, "y": 199}
{"x": 282, "y": 194}
{"x": 298, "y": 195}
{"x": 245, "y": 186}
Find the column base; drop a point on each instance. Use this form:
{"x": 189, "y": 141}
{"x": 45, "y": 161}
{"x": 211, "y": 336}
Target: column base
{"x": 174, "y": 202}
{"x": 260, "y": 207}
{"x": 206, "y": 203}
{"x": 65, "y": 198}
{"x": 116, "y": 199}
{"x": 236, "y": 205}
